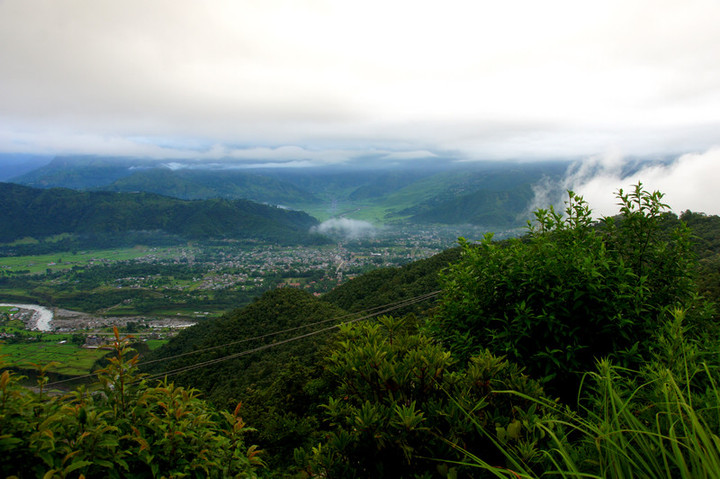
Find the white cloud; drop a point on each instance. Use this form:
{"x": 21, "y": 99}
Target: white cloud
{"x": 688, "y": 182}
{"x": 346, "y": 228}
{"x": 409, "y": 155}
{"x": 485, "y": 79}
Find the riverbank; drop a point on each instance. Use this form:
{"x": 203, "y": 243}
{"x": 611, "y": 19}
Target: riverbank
{"x": 39, "y": 320}
{"x": 68, "y": 321}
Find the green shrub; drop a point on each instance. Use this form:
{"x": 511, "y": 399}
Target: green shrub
{"x": 392, "y": 414}
{"x": 568, "y": 293}
{"x": 131, "y": 429}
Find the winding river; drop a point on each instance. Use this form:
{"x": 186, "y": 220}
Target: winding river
{"x": 41, "y": 317}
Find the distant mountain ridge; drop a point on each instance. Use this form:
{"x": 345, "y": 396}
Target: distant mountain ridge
{"x": 15, "y": 165}
{"x": 489, "y": 194}
{"x": 150, "y": 176}
{"x": 40, "y": 213}
{"x": 481, "y": 207}
{"x": 203, "y": 184}
{"x": 78, "y": 173}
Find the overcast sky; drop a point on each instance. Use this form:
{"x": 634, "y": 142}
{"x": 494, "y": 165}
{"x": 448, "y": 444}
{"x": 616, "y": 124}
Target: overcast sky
{"x": 327, "y": 81}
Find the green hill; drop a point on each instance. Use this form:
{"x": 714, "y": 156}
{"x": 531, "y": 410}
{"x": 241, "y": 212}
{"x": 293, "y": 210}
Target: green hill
{"x": 507, "y": 208}
{"x": 390, "y": 285}
{"x": 487, "y": 194}
{"x": 275, "y": 384}
{"x": 40, "y": 213}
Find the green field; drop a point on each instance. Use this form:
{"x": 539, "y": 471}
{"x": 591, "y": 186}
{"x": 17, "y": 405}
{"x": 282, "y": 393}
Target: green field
{"x": 73, "y": 360}
{"x": 155, "y": 343}
{"x": 63, "y": 261}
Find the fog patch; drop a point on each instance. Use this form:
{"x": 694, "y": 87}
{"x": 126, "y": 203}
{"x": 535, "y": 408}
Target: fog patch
{"x": 345, "y": 228}
{"x": 174, "y": 166}
{"x": 689, "y": 182}
{"x": 546, "y": 192}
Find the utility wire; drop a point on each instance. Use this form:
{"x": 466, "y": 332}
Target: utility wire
{"x": 401, "y": 303}
{"x": 388, "y": 307}
{"x": 285, "y": 341}
{"x": 369, "y": 313}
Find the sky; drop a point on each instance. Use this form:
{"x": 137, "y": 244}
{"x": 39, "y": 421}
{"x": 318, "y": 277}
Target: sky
{"x": 322, "y": 82}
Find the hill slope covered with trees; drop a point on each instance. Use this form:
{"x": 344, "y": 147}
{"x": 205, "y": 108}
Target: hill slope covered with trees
{"x": 40, "y": 213}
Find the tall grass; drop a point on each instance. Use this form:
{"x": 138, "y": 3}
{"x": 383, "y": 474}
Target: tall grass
{"x": 659, "y": 422}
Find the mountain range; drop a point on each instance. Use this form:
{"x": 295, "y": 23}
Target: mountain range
{"x": 492, "y": 194}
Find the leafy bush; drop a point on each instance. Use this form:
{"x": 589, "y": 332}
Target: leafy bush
{"x": 392, "y": 413}
{"x": 570, "y": 292}
{"x": 131, "y": 429}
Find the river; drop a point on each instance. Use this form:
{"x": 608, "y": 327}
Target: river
{"x": 41, "y": 317}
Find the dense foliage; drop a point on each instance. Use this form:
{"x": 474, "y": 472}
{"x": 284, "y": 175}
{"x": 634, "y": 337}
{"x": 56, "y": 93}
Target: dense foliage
{"x": 280, "y": 387}
{"x": 570, "y": 292}
{"x": 131, "y": 428}
{"x": 402, "y": 407}
{"x": 658, "y": 421}
{"x": 706, "y": 244}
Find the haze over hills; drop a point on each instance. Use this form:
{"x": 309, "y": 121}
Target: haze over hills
{"x": 493, "y": 194}
{"x": 14, "y": 165}
{"x": 204, "y": 184}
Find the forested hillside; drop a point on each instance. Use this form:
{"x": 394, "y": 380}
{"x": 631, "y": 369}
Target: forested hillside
{"x": 491, "y": 194}
{"x": 498, "y": 208}
{"x": 582, "y": 350}
{"x": 37, "y": 213}
{"x": 706, "y": 241}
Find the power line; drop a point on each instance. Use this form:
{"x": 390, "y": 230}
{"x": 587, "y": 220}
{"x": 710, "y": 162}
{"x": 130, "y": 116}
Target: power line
{"x": 369, "y": 313}
{"x": 401, "y": 303}
{"x": 285, "y": 341}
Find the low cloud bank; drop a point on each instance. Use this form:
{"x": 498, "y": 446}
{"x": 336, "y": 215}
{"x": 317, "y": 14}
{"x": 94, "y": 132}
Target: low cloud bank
{"x": 689, "y": 182}
{"x": 345, "y": 228}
